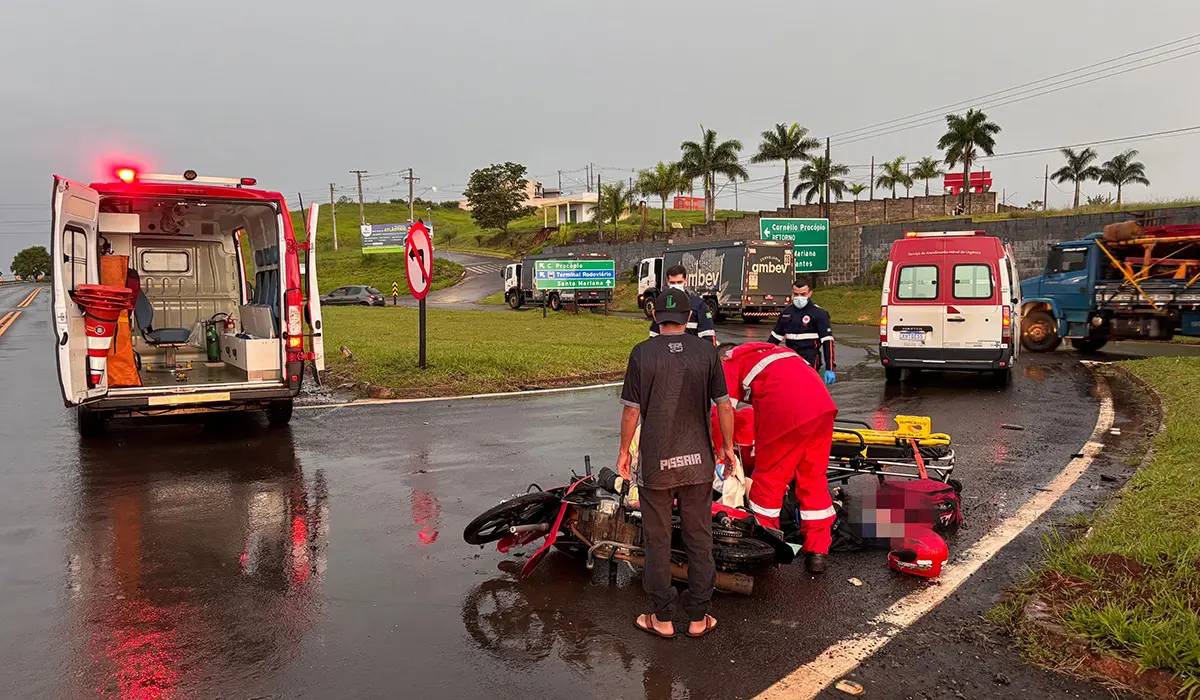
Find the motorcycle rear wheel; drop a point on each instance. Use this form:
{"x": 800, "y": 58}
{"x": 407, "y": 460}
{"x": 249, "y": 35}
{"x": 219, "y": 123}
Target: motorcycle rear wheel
{"x": 745, "y": 553}
{"x": 526, "y": 509}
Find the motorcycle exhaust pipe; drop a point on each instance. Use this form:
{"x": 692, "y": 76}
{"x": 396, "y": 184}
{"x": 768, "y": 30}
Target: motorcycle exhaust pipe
{"x": 727, "y": 582}
{"x": 537, "y": 527}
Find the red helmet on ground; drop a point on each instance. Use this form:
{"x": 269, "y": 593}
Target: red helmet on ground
{"x": 920, "y": 554}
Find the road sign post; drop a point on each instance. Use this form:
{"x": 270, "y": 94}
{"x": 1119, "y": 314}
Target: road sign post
{"x": 809, "y": 237}
{"x": 395, "y": 293}
{"x": 419, "y": 268}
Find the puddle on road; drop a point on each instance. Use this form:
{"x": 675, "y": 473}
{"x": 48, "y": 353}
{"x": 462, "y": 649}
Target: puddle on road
{"x": 188, "y": 566}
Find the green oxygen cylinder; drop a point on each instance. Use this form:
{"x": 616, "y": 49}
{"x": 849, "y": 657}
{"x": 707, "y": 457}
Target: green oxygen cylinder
{"x": 210, "y": 337}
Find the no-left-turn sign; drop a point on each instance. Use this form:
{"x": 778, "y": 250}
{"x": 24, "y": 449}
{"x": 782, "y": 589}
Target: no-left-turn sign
{"x": 418, "y": 254}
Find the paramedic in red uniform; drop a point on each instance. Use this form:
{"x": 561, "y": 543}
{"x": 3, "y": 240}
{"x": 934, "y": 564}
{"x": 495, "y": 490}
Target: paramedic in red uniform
{"x": 793, "y": 432}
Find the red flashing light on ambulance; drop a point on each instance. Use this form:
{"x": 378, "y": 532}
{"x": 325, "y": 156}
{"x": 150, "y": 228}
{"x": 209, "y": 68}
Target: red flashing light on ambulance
{"x": 177, "y": 242}
{"x": 942, "y": 234}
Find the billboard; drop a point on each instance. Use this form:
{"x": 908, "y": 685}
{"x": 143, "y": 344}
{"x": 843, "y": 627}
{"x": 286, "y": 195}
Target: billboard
{"x": 688, "y": 203}
{"x": 981, "y": 181}
{"x": 385, "y": 238}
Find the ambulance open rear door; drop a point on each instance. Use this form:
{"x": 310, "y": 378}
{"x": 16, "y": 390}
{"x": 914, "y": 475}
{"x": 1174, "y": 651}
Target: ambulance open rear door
{"x": 311, "y": 289}
{"x": 74, "y": 252}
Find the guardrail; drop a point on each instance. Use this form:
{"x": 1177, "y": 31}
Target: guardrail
{"x": 5, "y": 283}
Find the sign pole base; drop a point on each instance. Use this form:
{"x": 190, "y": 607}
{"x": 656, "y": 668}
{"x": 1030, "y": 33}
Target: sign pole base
{"x": 421, "y": 343}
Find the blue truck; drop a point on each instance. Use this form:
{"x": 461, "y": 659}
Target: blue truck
{"x": 1127, "y": 282}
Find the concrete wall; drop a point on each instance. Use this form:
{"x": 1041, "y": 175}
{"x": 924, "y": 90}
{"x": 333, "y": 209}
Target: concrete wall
{"x": 854, "y": 249}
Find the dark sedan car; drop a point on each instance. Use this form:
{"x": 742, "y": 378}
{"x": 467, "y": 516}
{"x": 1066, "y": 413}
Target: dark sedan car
{"x": 354, "y": 295}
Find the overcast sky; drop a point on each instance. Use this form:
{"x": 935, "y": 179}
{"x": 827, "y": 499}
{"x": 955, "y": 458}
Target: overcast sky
{"x": 298, "y": 92}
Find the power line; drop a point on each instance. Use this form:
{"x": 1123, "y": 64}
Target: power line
{"x": 1123, "y": 139}
{"x": 1014, "y": 100}
{"x": 973, "y": 100}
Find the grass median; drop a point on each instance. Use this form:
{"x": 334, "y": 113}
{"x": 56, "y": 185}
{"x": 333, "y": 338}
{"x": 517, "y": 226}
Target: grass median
{"x": 474, "y": 352}
{"x": 1131, "y": 588}
{"x": 854, "y": 306}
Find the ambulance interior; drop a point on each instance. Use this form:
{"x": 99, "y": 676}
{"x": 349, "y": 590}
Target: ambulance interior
{"x": 193, "y": 265}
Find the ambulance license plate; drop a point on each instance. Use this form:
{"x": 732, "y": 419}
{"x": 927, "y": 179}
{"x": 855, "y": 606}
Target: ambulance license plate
{"x": 912, "y": 336}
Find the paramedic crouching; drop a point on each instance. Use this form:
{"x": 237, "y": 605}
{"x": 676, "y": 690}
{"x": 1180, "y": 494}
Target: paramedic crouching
{"x": 806, "y": 328}
{"x": 670, "y": 383}
{"x": 793, "y": 432}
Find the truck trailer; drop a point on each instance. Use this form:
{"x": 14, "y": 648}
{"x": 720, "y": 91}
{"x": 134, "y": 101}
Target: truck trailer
{"x": 1124, "y": 283}
{"x": 751, "y": 279}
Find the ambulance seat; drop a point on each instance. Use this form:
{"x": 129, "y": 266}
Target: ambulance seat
{"x": 266, "y": 283}
{"x": 169, "y": 338}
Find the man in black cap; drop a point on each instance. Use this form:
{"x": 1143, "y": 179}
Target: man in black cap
{"x": 670, "y": 383}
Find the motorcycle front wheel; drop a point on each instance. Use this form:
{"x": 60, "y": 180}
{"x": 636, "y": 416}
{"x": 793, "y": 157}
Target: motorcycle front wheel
{"x": 526, "y": 509}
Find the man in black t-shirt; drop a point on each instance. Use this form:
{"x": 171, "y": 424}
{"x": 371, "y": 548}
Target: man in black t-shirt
{"x": 670, "y": 383}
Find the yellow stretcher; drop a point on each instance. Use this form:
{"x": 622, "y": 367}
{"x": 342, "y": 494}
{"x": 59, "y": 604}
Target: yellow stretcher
{"x": 860, "y": 449}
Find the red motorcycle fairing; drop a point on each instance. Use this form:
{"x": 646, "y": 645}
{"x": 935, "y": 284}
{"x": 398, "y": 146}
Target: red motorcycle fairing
{"x": 551, "y": 536}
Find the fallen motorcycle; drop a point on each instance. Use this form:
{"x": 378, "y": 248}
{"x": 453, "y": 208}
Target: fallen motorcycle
{"x": 593, "y": 517}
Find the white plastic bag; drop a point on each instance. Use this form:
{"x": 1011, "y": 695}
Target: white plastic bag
{"x": 733, "y": 489}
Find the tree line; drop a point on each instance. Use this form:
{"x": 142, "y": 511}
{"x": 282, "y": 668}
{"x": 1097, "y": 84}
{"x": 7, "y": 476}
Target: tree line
{"x": 968, "y": 137}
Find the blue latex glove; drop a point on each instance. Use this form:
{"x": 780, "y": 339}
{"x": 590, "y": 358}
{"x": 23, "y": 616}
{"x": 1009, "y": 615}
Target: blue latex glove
{"x": 830, "y": 377}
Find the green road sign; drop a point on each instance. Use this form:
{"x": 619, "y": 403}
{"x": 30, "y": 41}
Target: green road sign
{"x": 809, "y": 236}
{"x": 574, "y": 274}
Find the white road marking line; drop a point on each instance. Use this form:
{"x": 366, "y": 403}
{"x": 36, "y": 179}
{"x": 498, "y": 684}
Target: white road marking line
{"x": 497, "y": 395}
{"x": 841, "y": 658}
{"x": 484, "y": 269}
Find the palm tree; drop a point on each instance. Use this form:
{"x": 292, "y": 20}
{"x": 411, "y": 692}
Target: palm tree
{"x": 892, "y": 174}
{"x": 965, "y": 136}
{"x": 1123, "y": 170}
{"x": 663, "y": 181}
{"x": 707, "y": 159}
{"x": 615, "y": 200}
{"x": 786, "y": 143}
{"x": 856, "y": 189}
{"x": 927, "y": 169}
{"x": 819, "y": 174}
{"x": 1077, "y": 170}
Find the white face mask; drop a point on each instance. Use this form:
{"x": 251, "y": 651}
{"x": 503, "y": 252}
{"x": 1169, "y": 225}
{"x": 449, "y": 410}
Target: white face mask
{"x": 800, "y": 302}
{"x": 680, "y": 287}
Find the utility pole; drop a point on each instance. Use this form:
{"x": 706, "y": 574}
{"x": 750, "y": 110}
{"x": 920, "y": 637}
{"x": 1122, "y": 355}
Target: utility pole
{"x": 871, "y": 184}
{"x": 362, "y": 217}
{"x": 560, "y": 183}
{"x": 1046, "y": 188}
{"x": 590, "y": 168}
{"x": 829, "y": 167}
{"x": 599, "y": 208}
{"x": 735, "y": 194}
{"x": 333, "y": 213}
{"x": 411, "y": 181}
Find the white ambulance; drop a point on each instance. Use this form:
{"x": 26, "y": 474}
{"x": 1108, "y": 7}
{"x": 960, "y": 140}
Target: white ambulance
{"x": 951, "y": 300}
{"x": 198, "y": 253}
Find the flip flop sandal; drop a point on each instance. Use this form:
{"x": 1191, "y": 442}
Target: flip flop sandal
{"x": 710, "y": 624}
{"x": 638, "y": 624}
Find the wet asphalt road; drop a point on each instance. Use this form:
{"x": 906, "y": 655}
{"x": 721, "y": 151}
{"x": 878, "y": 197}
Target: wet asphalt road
{"x": 226, "y": 560}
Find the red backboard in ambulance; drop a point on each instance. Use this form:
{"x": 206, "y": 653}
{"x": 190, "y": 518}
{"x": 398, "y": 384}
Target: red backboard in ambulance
{"x": 949, "y": 302}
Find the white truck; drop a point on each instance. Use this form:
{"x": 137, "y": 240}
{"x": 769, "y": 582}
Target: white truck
{"x": 751, "y": 279}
